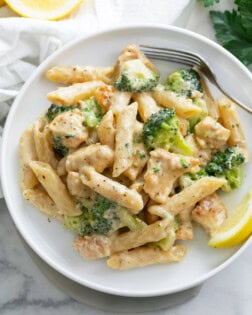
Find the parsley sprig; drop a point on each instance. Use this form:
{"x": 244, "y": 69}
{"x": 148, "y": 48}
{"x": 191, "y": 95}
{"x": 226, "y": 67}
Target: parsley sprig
{"x": 234, "y": 29}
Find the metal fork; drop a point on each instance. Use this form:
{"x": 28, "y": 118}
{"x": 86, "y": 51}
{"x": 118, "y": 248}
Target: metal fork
{"x": 192, "y": 60}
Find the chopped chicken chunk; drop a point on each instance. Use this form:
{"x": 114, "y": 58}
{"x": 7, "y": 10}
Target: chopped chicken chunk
{"x": 76, "y": 187}
{"x": 69, "y": 126}
{"x": 210, "y": 213}
{"x": 93, "y": 247}
{"x": 163, "y": 169}
{"x": 210, "y": 134}
{"x": 97, "y": 155}
{"x": 104, "y": 95}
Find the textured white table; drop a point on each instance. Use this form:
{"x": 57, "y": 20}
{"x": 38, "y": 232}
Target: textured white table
{"x": 24, "y": 290}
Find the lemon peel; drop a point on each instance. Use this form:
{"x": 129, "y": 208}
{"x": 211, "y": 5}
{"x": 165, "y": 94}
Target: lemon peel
{"x": 238, "y": 226}
{"x": 43, "y": 9}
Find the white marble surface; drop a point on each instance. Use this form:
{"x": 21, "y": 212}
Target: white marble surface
{"x": 25, "y": 290}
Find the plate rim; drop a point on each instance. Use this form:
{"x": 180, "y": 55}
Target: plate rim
{"x": 19, "y": 226}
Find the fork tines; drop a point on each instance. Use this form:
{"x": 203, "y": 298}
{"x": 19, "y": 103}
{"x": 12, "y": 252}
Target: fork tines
{"x": 174, "y": 55}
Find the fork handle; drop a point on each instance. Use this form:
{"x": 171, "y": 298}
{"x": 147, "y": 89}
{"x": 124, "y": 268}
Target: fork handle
{"x": 215, "y": 82}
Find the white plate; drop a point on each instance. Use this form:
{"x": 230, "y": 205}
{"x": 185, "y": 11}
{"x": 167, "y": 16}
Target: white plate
{"x": 48, "y": 239}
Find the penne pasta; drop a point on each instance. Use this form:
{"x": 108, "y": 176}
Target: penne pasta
{"x": 27, "y": 153}
{"x": 231, "y": 121}
{"x": 185, "y": 227}
{"x": 40, "y": 199}
{"x": 78, "y": 74}
{"x": 106, "y": 130}
{"x": 119, "y": 101}
{"x": 70, "y": 95}
{"x": 188, "y": 197}
{"x": 146, "y": 105}
{"x": 144, "y": 256}
{"x": 184, "y": 107}
{"x": 43, "y": 145}
{"x": 125, "y": 125}
{"x": 212, "y": 105}
{"x": 55, "y": 188}
{"x": 112, "y": 189}
{"x": 147, "y": 234}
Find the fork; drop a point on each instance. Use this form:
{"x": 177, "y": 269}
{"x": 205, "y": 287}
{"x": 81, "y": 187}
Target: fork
{"x": 192, "y": 60}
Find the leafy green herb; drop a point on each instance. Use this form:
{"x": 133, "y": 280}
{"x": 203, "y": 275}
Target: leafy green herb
{"x": 156, "y": 168}
{"x": 234, "y": 30}
{"x": 208, "y": 3}
{"x": 184, "y": 163}
{"x": 141, "y": 154}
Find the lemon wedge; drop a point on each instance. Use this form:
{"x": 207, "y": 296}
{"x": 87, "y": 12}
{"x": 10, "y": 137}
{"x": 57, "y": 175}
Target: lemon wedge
{"x": 2, "y": 2}
{"x": 237, "y": 228}
{"x": 43, "y": 9}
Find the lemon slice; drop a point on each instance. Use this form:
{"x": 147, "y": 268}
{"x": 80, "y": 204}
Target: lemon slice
{"x": 237, "y": 228}
{"x": 2, "y": 2}
{"x": 43, "y": 9}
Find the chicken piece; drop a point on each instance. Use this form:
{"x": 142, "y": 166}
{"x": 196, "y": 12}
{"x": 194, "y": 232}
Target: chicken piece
{"x": 163, "y": 169}
{"x": 76, "y": 187}
{"x": 185, "y": 229}
{"x": 96, "y": 155}
{"x": 104, "y": 95}
{"x": 77, "y": 74}
{"x": 93, "y": 247}
{"x": 69, "y": 127}
{"x": 210, "y": 134}
{"x": 204, "y": 155}
{"x": 210, "y": 213}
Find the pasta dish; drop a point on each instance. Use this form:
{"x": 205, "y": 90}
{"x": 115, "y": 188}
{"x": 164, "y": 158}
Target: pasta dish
{"x": 129, "y": 163}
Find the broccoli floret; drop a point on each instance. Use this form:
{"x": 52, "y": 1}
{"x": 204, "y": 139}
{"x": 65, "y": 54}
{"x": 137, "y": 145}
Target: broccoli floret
{"x": 58, "y": 147}
{"x": 92, "y": 112}
{"x": 101, "y": 216}
{"x": 136, "y": 77}
{"x": 55, "y": 110}
{"x": 228, "y": 164}
{"x": 162, "y": 131}
{"x": 184, "y": 82}
{"x": 98, "y": 219}
{"x": 127, "y": 219}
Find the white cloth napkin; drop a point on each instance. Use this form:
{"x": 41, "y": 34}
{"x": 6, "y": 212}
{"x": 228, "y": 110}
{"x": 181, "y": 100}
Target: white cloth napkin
{"x": 25, "y": 43}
